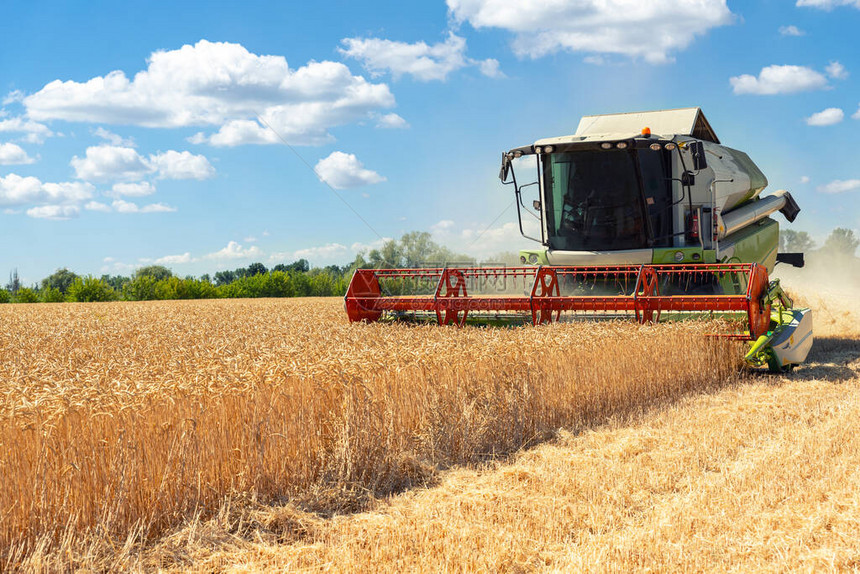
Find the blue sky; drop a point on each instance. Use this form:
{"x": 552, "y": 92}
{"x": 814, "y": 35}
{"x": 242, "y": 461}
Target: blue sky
{"x": 138, "y": 133}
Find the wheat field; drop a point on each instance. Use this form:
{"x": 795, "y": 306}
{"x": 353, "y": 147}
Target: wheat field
{"x": 124, "y": 423}
{"x": 761, "y": 475}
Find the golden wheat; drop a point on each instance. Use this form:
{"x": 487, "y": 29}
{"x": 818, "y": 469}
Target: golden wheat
{"x": 121, "y": 420}
{"x": 761, "y": 477}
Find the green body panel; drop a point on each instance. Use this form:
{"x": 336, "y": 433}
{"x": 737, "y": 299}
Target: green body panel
{"x": 667, "y": 255}
{"x": 540, "y": 253}
{"x": 757, "y": 243}
{"x": 661, "y": 256}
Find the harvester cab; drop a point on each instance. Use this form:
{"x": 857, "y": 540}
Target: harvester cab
{"x": 646, "y": 188}
{"x": 643, "y": 215}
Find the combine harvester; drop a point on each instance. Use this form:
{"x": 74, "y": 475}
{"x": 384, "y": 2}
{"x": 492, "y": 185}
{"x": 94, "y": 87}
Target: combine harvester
{"x": 652, "y": 223}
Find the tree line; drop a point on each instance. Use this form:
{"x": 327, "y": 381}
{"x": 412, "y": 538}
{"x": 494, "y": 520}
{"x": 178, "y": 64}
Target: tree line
{"x": 299, "y": 279}
{"x": 840, "y": 242}
{"x": 296, "y": 279}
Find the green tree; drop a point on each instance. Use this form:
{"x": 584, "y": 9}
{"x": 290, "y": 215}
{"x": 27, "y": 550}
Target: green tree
{"x": 791, "y": 241}
{"x": 141, "y": 288}
{"x": 61, "y": 279}
{"x": 157, "y": 272}
{"x": 389, "y": 255}
{"x": 274, "y": 284}
{"x": 224, "y": 278}
{"x": 26, "y": 295}
{"x": 4, "y": 296}
{"x": 188, "y": 288}
{"x": 14, "y": 282}
{"x": 358, "y": 263}
{"x": 300, "y": 266}
{"x": 841, "y": 241}
{"x": 51, "y": 295}
{"x": 117, "y": 282}
{"x": 417, "y": 248}
{"x": 90, "y": 289}
{"x": 444, "y": 256}
{"x": 256, "y": 269}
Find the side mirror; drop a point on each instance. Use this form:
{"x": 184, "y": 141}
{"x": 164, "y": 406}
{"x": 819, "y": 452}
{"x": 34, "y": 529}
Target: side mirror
{"x": 506, "y": 167}
{"x": 688, "y": 179}
{"x": 697, "y": 150}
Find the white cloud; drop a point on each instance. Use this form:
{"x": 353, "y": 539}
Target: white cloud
{"x": 442, "y": 226}
{"x": 343, "y": 170}
{"x": 484, "y": 242}
{"x": 359, "y": 247}
{"x": 34, "y": 131}
{"x": 108, "y": 162}
{"x": 113, "y": 138}
{"x": 326, "y": 252}
{"x": 836, "y": 71}
{"x": 97, "y": 206}
{"x": 826, "y": 117}
{"x": 174, "y": 259}
{"x": 856, "y": 115}
{"x": 779, "y": 80}
{"x": 219, "y": 84}
{"x": 122, "y": 206}
{"x": 805, "y": 179}
{"x": 131, "y": 189}
{"x": 828, "y": 4}
{"x": 235, "y": 251}
{"x": 13, "y": 97}
{"x": 791, "y": 31}
{"x": 157, "y": 208}
{"x": 840, "y": 186}
{"x": 55, "y": 212}
{"x": 112, "y": 264}
{"x": 68, "y": 191}
{"x": 650, "y": 30}
{"x": 12, "y": 154}
{"x": 181, "y": 165}
{"x": 421, "y": 61}
{"x": 391, "y": 121}
{"x": 18, "y": 190}
{"x": 243, "y": 132}
{"x": 526, "y": 167}
{"x": 490, "y": 68}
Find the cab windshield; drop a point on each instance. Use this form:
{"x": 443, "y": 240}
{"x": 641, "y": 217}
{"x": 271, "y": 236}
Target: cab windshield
{"x": 604, "y": 200}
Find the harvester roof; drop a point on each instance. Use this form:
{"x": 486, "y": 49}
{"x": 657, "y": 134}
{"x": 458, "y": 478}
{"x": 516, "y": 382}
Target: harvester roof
{"x": 669, "y": 123}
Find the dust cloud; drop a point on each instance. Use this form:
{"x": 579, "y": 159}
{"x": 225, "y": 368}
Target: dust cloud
{"x": 830, "y": 285}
